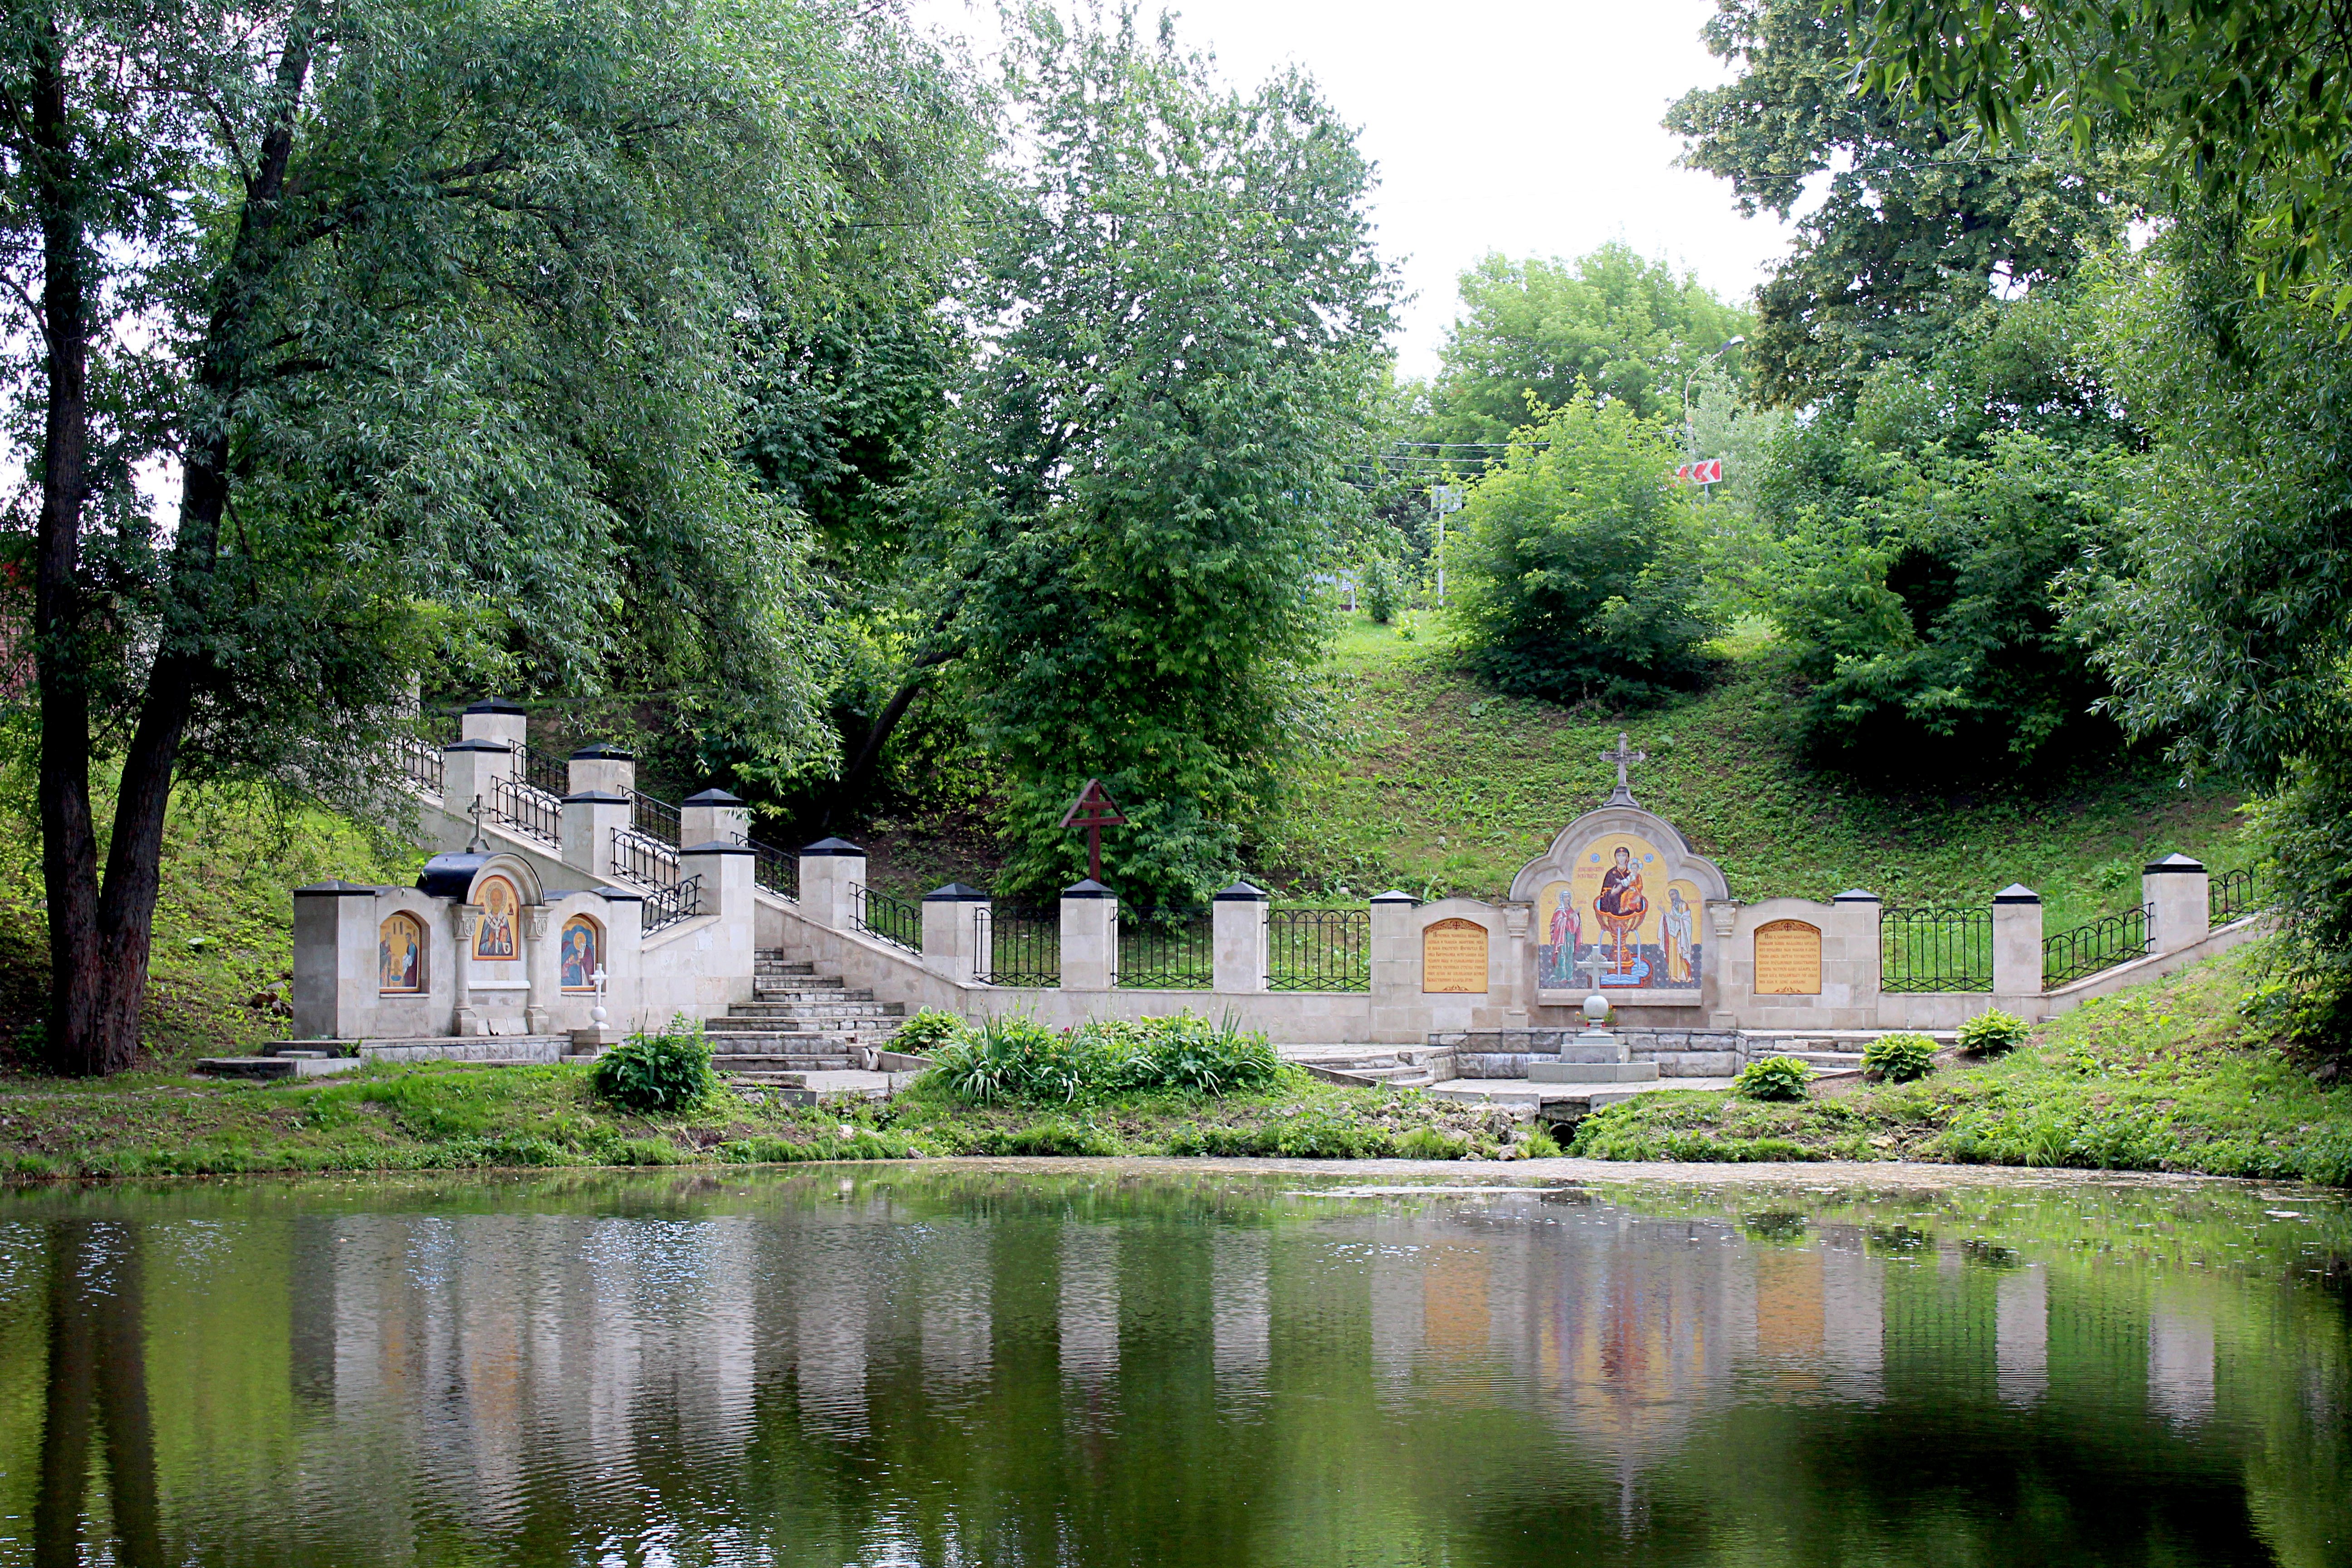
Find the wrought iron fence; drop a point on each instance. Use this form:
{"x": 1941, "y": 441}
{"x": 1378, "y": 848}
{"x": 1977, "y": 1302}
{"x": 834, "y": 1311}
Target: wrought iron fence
{"x": 2103, "y": 944}
{"x": 681, "y": 901}
{"x": 528, "y": 810}
{"x": 892, "y": 920}
{"x": 545, "y": 771}
{"x": 1166, "y": 949}
{"x": 420, "y": 762}
{"x": 772, "y": 869}
{"x": 1017, "y": 945}
{"x": 1318, "y": 950}
{"x": 647, "y": 862}
{"x": 657, "y": 819}
{"x": 1934, "y": 950}
{"x": 2232, "y": 896}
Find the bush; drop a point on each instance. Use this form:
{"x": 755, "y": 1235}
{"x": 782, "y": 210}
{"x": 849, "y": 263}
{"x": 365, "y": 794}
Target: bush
{"x": 1018, "y": 1059}
{"x": 669, "y": 1072}
{"x": 1898, "y": 1058}
{"x": 1989, "y": 1034}
{"x": 1578, "y": 562}
{"x": 1429, "y": 1144}
{"x": 927, "y": 1031}
{"x": 1384, "y": 590}
{"x": 1775, "y": 1077}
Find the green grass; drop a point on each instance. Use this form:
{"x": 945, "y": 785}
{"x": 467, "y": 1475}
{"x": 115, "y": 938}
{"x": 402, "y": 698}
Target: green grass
{"x": 2167, "y": 1076}
{"x": 1445, "y": 786}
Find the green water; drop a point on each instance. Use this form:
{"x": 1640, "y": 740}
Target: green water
{"x": 1173, "y": 1366}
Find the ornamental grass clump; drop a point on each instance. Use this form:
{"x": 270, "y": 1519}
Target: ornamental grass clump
{"x": 1774, "y": 1077}
{"x": 1019, "y": 1058}
{"x": 1991, "y": 1033}
{"x": 667, "y": 1071}
{"x": 1898, "y": 1058}
{"x": 927, "y": 1031}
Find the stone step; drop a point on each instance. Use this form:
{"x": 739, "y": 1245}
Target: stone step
{"x": 736, "y": 1067}
{"x": 803, "y": 992}
{"x": 739, "y": 1028}
{"x": 1827, "y": 1061}
{"x": 815, "y": 1010}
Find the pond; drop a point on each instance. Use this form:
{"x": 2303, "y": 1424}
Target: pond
{"x": 1167, "y": 1364}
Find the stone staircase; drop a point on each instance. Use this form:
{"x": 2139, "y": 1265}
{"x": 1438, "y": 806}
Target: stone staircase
{"x": 799, "y": 1022}
{"x": 1401, "y": 1067}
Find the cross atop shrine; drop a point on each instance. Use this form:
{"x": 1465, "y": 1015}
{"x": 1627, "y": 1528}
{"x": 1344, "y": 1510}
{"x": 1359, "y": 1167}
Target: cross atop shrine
{"x": 1094, "y": 810}
{"x": 1625, "y": 757}
{"x": 477, "y": 845}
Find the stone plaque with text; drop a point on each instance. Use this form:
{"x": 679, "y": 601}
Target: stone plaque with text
{"x": 1454, "y": 957}
{"x": 1788, "y": 958}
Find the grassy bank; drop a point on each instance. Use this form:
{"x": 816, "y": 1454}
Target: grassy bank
{"x": 451, "y": 1118}
{"x": 2169, "y": 1076}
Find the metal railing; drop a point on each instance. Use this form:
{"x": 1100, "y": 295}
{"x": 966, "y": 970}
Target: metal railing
{"x": 543, "y": 771}
{"x": 1017, "y": 945}
{"x": 772, "y": 869}
{"x": 528, "y": 811}
{"x": 420, "y": 761}
{"x": 892, "y": 920}
{"x": 1165, "y": 950}
{"x": 647, "y": 862}
{"x": 2101, "y": 944}
{"x": 1318, "y": 950}
{"x": 2233, "y": 895}
{"x": 1934, "y": 950}
{"x": 657, "y": 819}
{"x": 681, "y": 901}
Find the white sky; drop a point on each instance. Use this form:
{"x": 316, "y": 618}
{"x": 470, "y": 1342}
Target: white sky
{"x": 1525, "y": 126}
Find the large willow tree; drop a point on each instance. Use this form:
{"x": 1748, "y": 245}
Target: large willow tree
{"x": 428, "y": 304}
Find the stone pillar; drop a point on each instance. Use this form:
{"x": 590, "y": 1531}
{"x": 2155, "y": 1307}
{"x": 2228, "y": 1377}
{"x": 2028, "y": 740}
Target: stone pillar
{"x": 1397, "y": 1007}
{"x": 1852, "y": 950}
{"x": 713, "y": 815}
{"x": 495, "y": 719}
{"x": 1089, "y": 937}
{"x": 725, "y": 893}
{"x": 726, "y": 872}
{"x": 589, "y": 820}
{"x": 2178, "y": 895}
{"x": 468, "y": 770}
{"x": 2016, "y": 946}
{"x": 539, "y": 964}
{"x": 602, "y": 769}
{"x": 1237, "y": 940}
{"x": 952, "y": 931}
{"x": 334, "y": 959}
{"x": 1518, "y": 970}
{"x": 832, "y": 870}
{"x": 463, "y": 1019}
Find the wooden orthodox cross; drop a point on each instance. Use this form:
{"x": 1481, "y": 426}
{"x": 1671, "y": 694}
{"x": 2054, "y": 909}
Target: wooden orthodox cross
{"x": 1624, "y": 757}
{"x": 1094, "y": 810}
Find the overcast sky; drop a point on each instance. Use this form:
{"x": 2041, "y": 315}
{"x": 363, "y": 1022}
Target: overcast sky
{"x": 1525, "y": 126}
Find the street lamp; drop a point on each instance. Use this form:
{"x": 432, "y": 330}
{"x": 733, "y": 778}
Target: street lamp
{"x": 1690, "y": 426}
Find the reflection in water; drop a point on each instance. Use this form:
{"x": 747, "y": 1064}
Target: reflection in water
{"x": 1102, "y": 1366}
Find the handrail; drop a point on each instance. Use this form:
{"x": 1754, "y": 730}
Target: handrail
{"x": 2094, "y": 945}
{"x": 772, "y": 869}
{"x": 421, "y": 762}
{"x": 2233, "y": 895}
{"x": 662, "y": 907}
{"x": 545, "y": 771}
{"x": 893, "y": 919}
{"x": 647, "y": 862}
{"x": 528, "y": 811}
{"x": 657, "y": 819}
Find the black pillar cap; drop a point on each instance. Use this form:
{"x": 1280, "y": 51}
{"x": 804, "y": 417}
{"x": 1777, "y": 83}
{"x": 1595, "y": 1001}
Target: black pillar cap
{"x": 2173, "y": 862}
{"x": 596, "y": 797}
{"x": 955, "y": 893}
{"x": 1088, "y": 888}
{"x": 1394, "y": 896}
{"x": 494, "y": 705}
{"x": 1240, "y": 892}
{"x": 824, "y": 846}
{"x": 2017, "y": 893}
{"x": 478, "y": 745}
{"x": 712, "y": 797}
{"x": 1857, "y": 896}
{"x": 603, "y": 752}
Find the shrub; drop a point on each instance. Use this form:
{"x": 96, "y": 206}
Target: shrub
{"x": 1384, "y": 589}
{"x": 1009, "y": 1058}
{"x": 1898, "y": 1058}
{"x": 1429, "y": 1144}
{"x": 667, "y": 1071}
{"x": 1989, "y": 1034}
{"x": 1775, "y": 1077}
{"x": 1021, "y": 1060}
{"x": 927, "y": 1031}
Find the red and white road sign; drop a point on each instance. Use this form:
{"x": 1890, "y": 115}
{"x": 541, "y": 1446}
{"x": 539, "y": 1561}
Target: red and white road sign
{"x": 1709, "y": 472}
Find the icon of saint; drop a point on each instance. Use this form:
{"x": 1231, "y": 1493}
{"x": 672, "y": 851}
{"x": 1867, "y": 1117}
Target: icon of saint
{"x": 579, "y": 957}
{"x": 1620, "y": 904}
{"x": 1677, "y": 925}
{"x": 496, "y": 939}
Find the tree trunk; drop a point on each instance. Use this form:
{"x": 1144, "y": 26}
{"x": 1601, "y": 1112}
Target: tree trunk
{"x": 69, "y": 841}
{"x": 99, "y": 952}
{"x": 878, "y": 734}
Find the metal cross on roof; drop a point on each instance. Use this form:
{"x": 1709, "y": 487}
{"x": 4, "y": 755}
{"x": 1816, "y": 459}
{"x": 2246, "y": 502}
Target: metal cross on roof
{"x": 1625, "y": 757}
{"x": 1094, "y": 810}
{"x": 477, "y": 845}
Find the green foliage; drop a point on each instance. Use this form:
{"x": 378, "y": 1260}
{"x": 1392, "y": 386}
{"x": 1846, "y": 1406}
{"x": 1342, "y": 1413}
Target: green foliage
{"x": 1898, "y": 1058}
{"x": 669, "y": 1071}
{"x": 1774, "y": 1077}
{"x": 1993, "y": 1031}
{"x": 1145, "y": 478}
{"x": 1384, "y": 590}
{"x": 1578, "y": 561}
{"x": 1428, "y": 1143}
{"x": 927, "y": 1031}
{"x": 1538, "y": 1144}
{"x": 1016, "y": 1058}
{"x": 1626, "y": 329}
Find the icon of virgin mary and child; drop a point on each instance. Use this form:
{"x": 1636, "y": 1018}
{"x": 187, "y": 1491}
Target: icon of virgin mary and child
{"x": 1619, "y": 905}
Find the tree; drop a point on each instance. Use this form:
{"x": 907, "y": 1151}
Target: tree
{"x": 1916, "y": 224}
{"x": 1183, "y": 316}
{"x": 1628, "y": 329}
{"x": 1578, "y": 561}
{"x": 431, "y": 307}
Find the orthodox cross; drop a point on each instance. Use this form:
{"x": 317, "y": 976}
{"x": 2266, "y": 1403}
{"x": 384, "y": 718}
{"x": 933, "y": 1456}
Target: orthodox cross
{"x": 1094, "y": 810}
{"x": 1596, "y": 966}
{"x": 1624, "y": 757}
{"x": 477, "y": 845}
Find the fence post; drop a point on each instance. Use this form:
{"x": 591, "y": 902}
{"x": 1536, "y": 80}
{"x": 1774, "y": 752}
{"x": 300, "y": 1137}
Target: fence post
{"x": 1089, "y": 937}
{"x": 951, "y": 934}
{"x": 1237, "y": 940}
{"x": 495, "y": 719}
{"x": 1853, "y": 927}
{"x": 2177, "y": 891}
{"x": 832, "y": 870}
{"x": 1395, "y": 965}
{"x": 468, "y": 769}
{"x": 601, "y": 769}
{"x": 713, "y": 815}
{"x": 589, "y": 818}
{"x": 726, "y": 892}
{"x": 2016, "y": 946}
